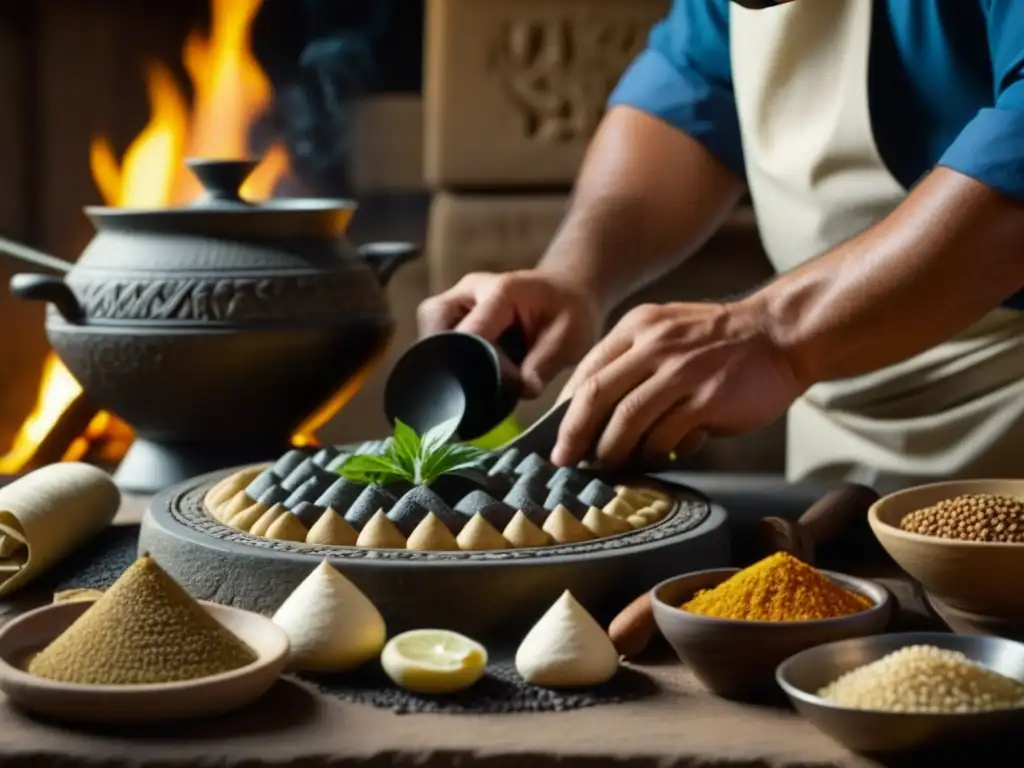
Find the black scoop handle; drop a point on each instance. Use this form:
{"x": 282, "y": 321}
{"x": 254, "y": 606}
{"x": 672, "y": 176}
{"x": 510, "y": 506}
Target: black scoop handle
{"x": 512, "y": 342}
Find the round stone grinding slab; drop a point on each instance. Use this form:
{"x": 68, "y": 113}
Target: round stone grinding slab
{"x": 482, "y": 594}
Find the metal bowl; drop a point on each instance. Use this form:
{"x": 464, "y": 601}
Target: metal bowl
{"x": 868, "y": 731}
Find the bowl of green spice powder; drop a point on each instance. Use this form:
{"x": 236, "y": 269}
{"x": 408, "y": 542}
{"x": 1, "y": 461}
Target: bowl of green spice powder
{"x": 911, "y": 691}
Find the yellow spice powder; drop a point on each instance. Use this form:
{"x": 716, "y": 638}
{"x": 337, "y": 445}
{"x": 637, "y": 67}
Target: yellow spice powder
{"x": 778, "y": 588}
{"x": 144, "y": 629}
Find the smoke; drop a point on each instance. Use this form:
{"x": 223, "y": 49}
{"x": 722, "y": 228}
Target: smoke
{"x": 321, "y": 57}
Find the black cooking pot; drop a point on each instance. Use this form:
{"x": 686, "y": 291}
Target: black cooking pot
{"x": 220, "y": 324}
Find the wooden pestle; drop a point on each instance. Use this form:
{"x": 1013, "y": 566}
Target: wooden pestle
{"x": 825, "y": 520}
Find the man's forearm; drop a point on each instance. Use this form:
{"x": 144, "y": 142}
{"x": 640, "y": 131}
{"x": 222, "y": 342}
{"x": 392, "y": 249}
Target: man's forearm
{"x": 647, "y": 196}
{"x": 953, "y": 251}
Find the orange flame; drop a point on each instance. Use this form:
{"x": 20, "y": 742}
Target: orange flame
{"x": 231, "y": 91}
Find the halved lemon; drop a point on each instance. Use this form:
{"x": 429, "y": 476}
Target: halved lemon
{"x": 433, "y": 661}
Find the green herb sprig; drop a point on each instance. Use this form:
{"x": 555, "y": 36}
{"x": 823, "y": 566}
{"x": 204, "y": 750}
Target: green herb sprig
{"x": 411, "y": 458}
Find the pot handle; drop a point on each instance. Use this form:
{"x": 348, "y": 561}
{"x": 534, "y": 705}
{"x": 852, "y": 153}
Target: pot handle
{"x": 384, "y": 258}
{"x": 50, "y": 289}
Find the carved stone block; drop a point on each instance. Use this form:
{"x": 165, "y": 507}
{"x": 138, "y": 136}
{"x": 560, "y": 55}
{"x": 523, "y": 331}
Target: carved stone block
{"x": 515, "y": 88}
{"x": 387, "y": 144}
{"x": 488, "y": 233}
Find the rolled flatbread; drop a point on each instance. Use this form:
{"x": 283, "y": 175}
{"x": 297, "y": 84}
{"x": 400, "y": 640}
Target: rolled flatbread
{"x": 47, "y": 514}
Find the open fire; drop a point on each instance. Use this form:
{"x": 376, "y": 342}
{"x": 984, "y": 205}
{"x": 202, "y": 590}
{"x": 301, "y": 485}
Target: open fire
{"x": 230, "y": 92}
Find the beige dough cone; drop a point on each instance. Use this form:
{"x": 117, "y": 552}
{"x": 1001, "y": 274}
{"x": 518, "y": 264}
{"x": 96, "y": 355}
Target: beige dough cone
{"x": 431, "y": 535}
{"x": 522, "y": 533}
{"x": 261, "y": 526}
{"x": 332, "y": 530}
{"x": 380, "y": 533}
{"x": 635, "y": 499}
{"x": 287, "y": 527}
{"x": 602, "y": 524}
{"x": 229, "y": 486}
{"x": 619, "y": 507}
{"x": 564, "y": 528}
{"x": 246, "y": 519}
{"x": 478, "y": 535}
{"x": 233, "y": 506}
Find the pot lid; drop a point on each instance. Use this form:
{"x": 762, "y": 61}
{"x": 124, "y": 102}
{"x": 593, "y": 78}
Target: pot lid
{"x": 222, "y": 202}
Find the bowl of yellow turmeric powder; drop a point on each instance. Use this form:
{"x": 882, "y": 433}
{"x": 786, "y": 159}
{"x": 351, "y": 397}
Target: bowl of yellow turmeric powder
{"x": 733, "y": 627}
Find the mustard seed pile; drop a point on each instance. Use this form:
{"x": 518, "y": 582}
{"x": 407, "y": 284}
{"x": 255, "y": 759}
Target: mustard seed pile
{"x": 923, "y": 678}
{"x": 972, "y": 517}
{"x": 145, "y": 629}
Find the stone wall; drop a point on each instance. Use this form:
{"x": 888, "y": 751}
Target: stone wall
{"x": 515, "y": 88}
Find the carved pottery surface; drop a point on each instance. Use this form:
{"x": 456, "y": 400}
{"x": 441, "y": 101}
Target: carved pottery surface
{"x": 516, "y": 88}
{"x": 228, "y": 299}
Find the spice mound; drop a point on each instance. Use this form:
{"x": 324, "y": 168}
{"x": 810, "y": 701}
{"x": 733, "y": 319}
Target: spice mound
{"x": 923, "y": 678}
{"x": 778, "y": 588}
{"x": 971, "y": 517}
{"x": 145, "y": 629}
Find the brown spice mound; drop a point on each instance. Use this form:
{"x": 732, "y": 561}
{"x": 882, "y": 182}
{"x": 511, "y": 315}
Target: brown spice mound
{"x": 971, "y": 517}
{"x": 145, "y": 629}
{"x": 778, "y": 588}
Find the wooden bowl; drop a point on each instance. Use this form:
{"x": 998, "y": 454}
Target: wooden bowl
{"x": 976, "y": 577}
{"x": 147, "y": 703}
{"x": 737, "y": 659}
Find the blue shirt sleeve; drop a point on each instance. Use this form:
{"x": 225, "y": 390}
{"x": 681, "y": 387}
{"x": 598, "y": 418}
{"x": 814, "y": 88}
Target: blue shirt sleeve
{"x": 991, "y": 147}
{"x": 684, "y": 78}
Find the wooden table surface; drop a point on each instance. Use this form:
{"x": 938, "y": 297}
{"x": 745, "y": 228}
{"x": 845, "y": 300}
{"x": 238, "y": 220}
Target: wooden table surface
{"x": 681, "y": 725}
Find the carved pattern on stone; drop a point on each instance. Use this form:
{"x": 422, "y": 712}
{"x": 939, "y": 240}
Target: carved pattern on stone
{"x": 559, "y": 72}
{"x": 229, "y": 299}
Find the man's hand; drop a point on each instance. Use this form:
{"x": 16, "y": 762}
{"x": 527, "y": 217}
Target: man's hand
{"x": 560, "y": 321}
{"x": 669, "y": 375}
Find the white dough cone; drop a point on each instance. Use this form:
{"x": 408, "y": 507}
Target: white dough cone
{"x": 331, "y": 625}
{"x": 567, "y": 648}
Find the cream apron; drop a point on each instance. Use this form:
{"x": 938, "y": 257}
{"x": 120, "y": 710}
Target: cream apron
{"x": 800, "y": 73}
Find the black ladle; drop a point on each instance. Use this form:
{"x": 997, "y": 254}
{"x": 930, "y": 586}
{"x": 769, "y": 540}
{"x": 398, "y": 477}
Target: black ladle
{"x": 457, "y": 375}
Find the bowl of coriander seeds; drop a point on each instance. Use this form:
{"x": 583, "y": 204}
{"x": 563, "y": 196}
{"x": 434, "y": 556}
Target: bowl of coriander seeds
{"x": 962, "y": 540}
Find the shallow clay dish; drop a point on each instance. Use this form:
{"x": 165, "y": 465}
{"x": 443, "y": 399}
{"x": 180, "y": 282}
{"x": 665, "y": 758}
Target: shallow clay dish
{"x": 150, "y": 703}
{"x": 737, "y": 659}
{"x": 803, "y": 675}
{"x": 977, "y": 577}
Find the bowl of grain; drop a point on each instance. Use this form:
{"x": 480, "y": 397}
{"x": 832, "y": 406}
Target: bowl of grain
{"x": 962, "y": 540}
{"x": 908, "y": 691}
{"x": 733, "y": 627}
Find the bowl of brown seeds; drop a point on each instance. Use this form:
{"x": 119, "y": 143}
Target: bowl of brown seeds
{"x": 963, "y": 540}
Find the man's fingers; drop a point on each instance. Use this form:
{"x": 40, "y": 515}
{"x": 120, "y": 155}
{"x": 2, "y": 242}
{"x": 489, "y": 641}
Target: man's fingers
{"x": 610, "y": 348}
{"x": 592, "y": 404}
{"x": 440, "y": 313}
{"x": 680, "y": 430}
{"x": 490, "y": 316}
{"x": 637, "y": 413}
